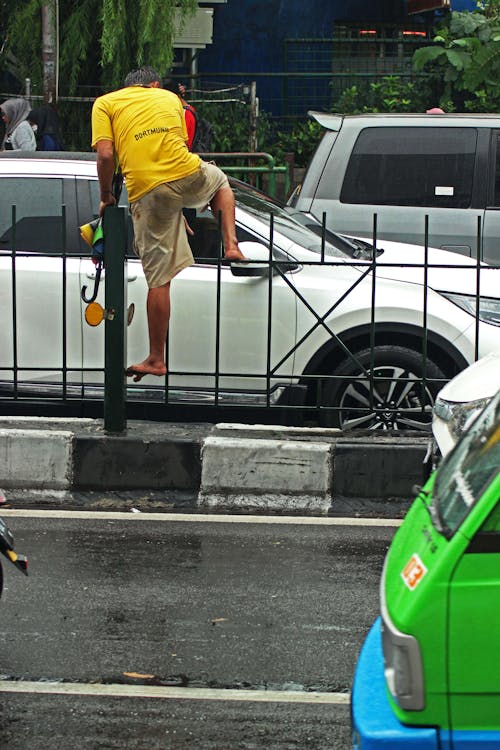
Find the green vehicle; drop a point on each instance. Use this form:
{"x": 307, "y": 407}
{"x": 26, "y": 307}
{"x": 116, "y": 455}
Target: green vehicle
{"x": 428, "y": 675}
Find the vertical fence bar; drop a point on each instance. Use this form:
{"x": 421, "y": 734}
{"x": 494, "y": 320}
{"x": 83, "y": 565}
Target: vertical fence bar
{"x": 372, "y": 321}
{"x": 323, "y": 237}
{"x": 269, "y": 311}
{"x": 64, "y": 306}
{"x": 424, "y": 317}
{"x": 167, "y": 362}
{"x": 320, "y": 382}
{"x": 115, "y": 327}
{"x": 217, "y": 312}
{"x": 14, "y": 304}
{"x": 478, "y": 288}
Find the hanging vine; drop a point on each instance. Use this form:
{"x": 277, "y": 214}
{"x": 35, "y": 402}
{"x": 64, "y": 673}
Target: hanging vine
{"x": 135, "y": 35}
{"x": 77, "y": 45}
{"x": 100, "y": 40}
{"x": 22, "y": 46}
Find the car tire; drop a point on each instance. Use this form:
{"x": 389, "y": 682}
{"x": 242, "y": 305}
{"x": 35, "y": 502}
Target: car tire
{"x": 396, "y": 403}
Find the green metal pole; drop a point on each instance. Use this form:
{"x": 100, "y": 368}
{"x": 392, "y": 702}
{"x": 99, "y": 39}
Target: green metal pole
{"x": 115, "y": 326}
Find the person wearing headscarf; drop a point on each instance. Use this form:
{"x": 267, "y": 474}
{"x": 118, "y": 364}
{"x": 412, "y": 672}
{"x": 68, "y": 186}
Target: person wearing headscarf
{"x": 45, "y": 122}
{"x": 19, "y": 135}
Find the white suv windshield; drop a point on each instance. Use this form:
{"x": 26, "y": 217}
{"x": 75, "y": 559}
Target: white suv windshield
{"x": 299, "y": 228}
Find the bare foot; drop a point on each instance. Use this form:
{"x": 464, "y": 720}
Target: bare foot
{"x": 146, "y": 368}
{"x": 234, "y": 253}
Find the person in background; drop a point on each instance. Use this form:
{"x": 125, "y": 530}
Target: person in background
{"x": 19, "y": 135}
{"x": 189, "y": 111}
{"x": 190, "y": 117}
{"x": 45, "y": 123}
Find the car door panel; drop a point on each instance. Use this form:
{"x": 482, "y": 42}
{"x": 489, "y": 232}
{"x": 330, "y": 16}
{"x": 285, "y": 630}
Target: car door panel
{"x": 42, "y": 343}
{"x": 242, "y": 323}
{"x": 39, "y": 288}
{"x": 198, "y": 357}
{"x": 192, "y": 340}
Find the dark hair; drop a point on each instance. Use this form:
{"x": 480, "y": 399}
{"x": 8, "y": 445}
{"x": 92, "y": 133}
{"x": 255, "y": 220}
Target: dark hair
{"x": 171, "y": 85}
{"x": 142, "y": 77}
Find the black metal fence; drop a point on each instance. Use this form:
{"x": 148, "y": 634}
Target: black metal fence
{"x": 379, "y": 373}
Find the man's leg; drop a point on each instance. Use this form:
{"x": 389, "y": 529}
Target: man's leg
{"x": 161, "y": 243}
{"x": 158, "y": 311}
{"x": 223, "y": 201}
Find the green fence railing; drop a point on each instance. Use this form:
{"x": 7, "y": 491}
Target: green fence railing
{"x": 270, "y": 167}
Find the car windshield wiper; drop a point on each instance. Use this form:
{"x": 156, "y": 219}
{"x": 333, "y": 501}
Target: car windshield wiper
{"x": 423, "y": 495}
{"x": 433, "y": 510}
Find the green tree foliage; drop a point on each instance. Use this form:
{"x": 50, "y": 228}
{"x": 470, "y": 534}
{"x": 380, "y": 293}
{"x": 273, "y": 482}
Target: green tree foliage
{"x": 135, "y": 34}
{"x": 465, "y": 59}
{"x": 100, "y": 40}
{"x": 78, "y": 37}
{"x": 390, "y": 94}
{"x": 230, "y": 123}
{"x": 301, "y": 141}
{"x": 22, "y": 40}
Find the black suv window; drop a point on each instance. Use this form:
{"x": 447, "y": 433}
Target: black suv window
{"x": 38, "y": 214}
{"x": 205, "y": 243}
{"x": 411, "y": 166}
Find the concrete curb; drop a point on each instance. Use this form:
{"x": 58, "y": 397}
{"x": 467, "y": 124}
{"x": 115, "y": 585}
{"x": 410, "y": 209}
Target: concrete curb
{"x": 35, "y": 458}
{"x": 227, "y": 467}
{"x": 255, "y": 474}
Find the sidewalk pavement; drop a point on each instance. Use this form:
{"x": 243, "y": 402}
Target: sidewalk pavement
{"x": 203, "y": 467}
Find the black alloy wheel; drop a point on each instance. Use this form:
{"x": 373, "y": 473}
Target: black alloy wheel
{"x": 393, "y": 398}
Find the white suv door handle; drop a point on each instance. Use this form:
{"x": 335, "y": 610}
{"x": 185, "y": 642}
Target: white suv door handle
{"x": 91, "y": 275}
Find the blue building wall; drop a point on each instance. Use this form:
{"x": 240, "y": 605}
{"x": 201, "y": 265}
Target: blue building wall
{"x": 250, "y": 36}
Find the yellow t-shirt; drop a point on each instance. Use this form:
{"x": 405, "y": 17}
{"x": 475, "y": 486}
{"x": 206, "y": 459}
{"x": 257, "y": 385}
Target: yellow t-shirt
{"x": 148, "y": 130}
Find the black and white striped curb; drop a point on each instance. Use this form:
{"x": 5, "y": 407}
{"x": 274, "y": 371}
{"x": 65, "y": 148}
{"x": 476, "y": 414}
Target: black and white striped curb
{"x": 224, "y": 467}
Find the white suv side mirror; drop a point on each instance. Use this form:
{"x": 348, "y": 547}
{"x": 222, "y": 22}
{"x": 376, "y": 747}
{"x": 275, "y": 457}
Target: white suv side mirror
{"x": 258, "y": 260}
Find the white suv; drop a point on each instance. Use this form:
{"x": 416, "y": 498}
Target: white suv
{"x": 362, "y": 343}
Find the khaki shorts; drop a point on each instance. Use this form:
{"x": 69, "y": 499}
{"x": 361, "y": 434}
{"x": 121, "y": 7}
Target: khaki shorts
{"x": 159, "y": 231}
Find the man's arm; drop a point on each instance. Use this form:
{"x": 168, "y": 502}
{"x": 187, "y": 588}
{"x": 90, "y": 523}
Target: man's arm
{"x": 105, "y": 172}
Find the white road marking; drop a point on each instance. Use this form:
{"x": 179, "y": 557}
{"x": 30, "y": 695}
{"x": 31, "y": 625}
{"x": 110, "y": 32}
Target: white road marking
{"x": 197, "y": 517}
{"x": 171, "y": 693}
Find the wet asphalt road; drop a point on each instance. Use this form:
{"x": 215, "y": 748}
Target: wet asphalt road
{"x": 184, "y": 604}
